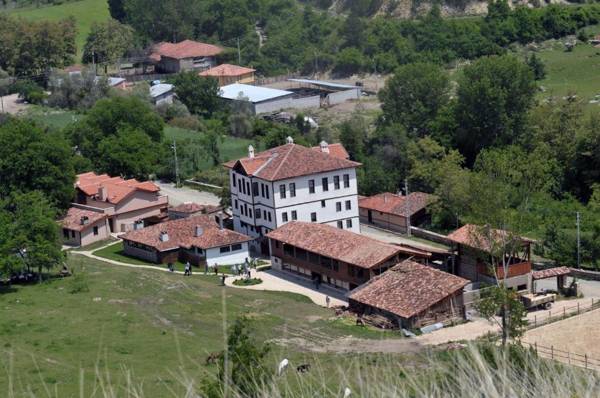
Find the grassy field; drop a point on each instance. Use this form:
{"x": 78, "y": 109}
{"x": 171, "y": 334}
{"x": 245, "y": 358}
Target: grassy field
{"x": 154, "y": 327}
{"x": 86, "y": 12}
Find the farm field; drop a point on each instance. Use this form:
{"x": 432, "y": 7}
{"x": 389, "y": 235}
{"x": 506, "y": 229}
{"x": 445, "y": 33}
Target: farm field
{"x": 85, "y": 12}
{"x": 107, "y": 323}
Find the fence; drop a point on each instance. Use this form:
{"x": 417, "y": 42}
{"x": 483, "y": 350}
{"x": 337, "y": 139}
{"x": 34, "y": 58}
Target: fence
{"x": 556, "y": 315}
{"x": 261, "y": 81}
{"x": 568, "y": 357}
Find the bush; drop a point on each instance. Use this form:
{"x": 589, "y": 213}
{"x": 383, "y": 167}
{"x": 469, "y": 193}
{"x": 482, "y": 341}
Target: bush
{"x": 30, "y": 91}
{"x": 78, "y": 284}
{"x": 348, "y": 62}
{"x": 247, "y": 282}
{"x": 186, "y": 122}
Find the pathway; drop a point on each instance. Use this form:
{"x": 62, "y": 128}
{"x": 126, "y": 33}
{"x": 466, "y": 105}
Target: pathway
{"x": 279, "y": 282}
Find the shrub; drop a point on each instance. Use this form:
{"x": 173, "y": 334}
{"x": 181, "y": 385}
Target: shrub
{"x": 78, "y": 284}
{"x": 247, "y": 282}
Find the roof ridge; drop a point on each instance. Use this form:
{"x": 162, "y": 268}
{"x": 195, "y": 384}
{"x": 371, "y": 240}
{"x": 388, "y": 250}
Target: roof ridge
{"x": 282, "y": 162}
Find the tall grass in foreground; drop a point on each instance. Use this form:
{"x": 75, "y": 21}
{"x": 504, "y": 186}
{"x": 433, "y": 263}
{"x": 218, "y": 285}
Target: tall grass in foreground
{"x": 472, "y": 371}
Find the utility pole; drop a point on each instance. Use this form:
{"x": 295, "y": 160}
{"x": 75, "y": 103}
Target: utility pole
{"x": 239, "y": 52}
{"x": 176, "y": 163}
{"x": 578, "y": 241}
{"x": 407, "y": 204}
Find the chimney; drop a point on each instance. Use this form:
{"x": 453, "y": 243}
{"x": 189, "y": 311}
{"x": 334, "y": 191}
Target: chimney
{"x": 102, "y": 193}
{"x": 220, "y": 220}
{"x": 324, "y": 147}
{"x": 198, "y": 231}
{"x": 250, "y": 151}
{"x": 84, "y": 220}
{"x": 164, "y": 236}
{"x": 289, "y": 140}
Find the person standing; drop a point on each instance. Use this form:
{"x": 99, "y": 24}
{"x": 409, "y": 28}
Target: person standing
{"x": 327, "y": 301}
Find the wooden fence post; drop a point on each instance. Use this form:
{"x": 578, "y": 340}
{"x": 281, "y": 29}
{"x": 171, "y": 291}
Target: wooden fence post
{"x": 551, "y": 352}
{"x": 564, "y": 312}
{"x": 577, "y": 308}
{"x": 585, "y": 356}
{"x": 535, "y": 325}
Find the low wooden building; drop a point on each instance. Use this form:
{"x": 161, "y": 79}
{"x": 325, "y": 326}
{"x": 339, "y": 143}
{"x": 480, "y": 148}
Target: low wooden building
{"x": 198, "y": 239}
{"x": 475, "y": 247}
{"x": 334, "y": 256}
{"x": 411, "y": 295}
{"x": 390, "y": 211}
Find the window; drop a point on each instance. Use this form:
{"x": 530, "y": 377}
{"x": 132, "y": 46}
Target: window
{"x": 243, "y": 187}
{"x": 236, "y": 247}
{"x": 311, "y": 186}
{"x": 282, "y": 191}
{"x": 338, "y": 206}
{"x": 348, "y": 205}
{"x": 255, "y": 189}
{"x": 267, "y": 191}
{"x": 325, "y": 183}
{"x": 269, "y": 214}
{"x": 96, "y": 230}
{"x": 349, "y": 223}
{"x": 257, "y": 214}
{"x": 65, "y": 233}
{"x": 248, "y": 187}
{"x": 313, "y": 217}
{"x": 294, "y": 215}
{"x": 72, "y": 234}
{"x": 301, "y": 254}
{"x": 288, "y": 250}
{"x": 360, "y": 272}
{"x": 292, "y": 190}
{"x": 262, "y": 190}
{"x": 326, "y": 262}
{"x": 250, "y": 212}
{"x": 336, "y": 182}
{"x": 346, "y": 180}
{"x": 233, "y": 179}
{"x": 322, "y": 203}
{"x": 284, "y": 217}
{"x": 313, "y": 258}
{"x": 236, "y": 203}
{"x": 351, "y": 270}
{"x": 340, "y": 225}
{"x": 225, "y": 249}
{"x": 335, "y": 264}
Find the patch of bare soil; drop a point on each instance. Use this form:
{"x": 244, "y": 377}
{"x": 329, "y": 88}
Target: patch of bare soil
{"x": 12, "y": 104}
{"x": 345, "y": 345}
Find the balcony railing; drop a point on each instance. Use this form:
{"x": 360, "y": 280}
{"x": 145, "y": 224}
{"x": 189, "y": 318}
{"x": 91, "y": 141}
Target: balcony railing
{"x": 522, "y": 268}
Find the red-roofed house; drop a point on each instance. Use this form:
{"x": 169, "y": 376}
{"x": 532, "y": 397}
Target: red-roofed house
{"x": 185, "y": 56}
{"x": 390, "y": 211}
{"x": 229, "y": 74}
{"x": 126, "y": 203}
{"x": 83, "y": 226}
{"x": 411, "y": 295}
{"x": 475, "y": 245}
{"x": 198, "y": 239}
{"x": 332, "y": 255}
{"x": 292, "y": 183}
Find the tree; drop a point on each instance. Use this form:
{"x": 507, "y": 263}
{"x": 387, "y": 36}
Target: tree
{"x": 130, "y": 153}
{"x": 240, "y": 118}
{"x": 242, "y": 367}
{"x": 493, "y": 98}
{"x": 30, "y": 91}
{"x": 29, "y": 235}
{"x": 77, "y": 91}
{"x": 107, "y": 42}
{"x": 353, "y": 135}
{"x": 537, "y": 66}
{"x": 414, "y": 96}
{"x": 212, "y": 139}
{"x": 199, "y": 94}
{"x": 31, "y": 159}
{"x": 117, "y": 10}
{"x": 348, "y": 62}
{"x": 506, "y": 302}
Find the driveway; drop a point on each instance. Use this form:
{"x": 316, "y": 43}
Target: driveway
{"x": 181, "y": 195}
{"x": 589, "y": 288}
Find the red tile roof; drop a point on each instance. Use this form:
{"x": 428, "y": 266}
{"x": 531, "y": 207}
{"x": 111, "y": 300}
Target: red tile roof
{"x": 479, "y": 237}
{"x": 408, "y": 289}
{"x": 182, "y": 234}
{"x": 336, "y": 150}
{"x": 395, "y": 204}
{"x": 72, "y": 220}
{"x": 288, "y": 161}
{"x": 550, "y": 273}
{"x": 227, "y": 70}
{"x": 336, "y": 243}
{"x": 190, "y": 207}
{"x": 117, "y": 188}
{"x": 184, "y": 49}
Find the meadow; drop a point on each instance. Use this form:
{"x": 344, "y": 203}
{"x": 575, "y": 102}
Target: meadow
{"x": 86, "y": 12}
{"x": 110, "y": 327}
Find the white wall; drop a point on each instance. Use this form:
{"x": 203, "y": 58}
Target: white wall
{"x": 214, "y": 256}
{"x": 342, "y": 96}
{"x": 273, "y": 105}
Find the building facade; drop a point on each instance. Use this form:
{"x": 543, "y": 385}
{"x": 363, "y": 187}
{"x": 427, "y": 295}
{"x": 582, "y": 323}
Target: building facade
{"x": 390, "y": 211}
{"x": 81, "y": 227}
{"x": 292, "y": 183}
{"x": 185, "y": 56}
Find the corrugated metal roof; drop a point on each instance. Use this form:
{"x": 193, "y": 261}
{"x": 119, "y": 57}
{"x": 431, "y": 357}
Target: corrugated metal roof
{"x": 253, "y": 93}
{"x": 160, "y": 89}
{"x": 323, "y": 83}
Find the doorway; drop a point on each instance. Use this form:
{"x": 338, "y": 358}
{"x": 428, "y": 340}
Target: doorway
{"x": 370, "y": 217}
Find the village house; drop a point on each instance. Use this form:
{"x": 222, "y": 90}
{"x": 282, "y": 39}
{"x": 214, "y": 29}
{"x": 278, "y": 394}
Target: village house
{"x": 190, "y": 209}
{"x": 331, "y": 255}
{"x": 475, "y": 247}
{"x": 128, "y": 204}
{"x": 184, "y": 56}
{"x": 292, "y": 183}
{"x": 390, "y": 211}
{"x": 229, "y": 74}
{"x": 197, "y": 239}
{"x": 162, "y": 93}
{"x": 81, "y": 227}
{"x": 411, "y": 295}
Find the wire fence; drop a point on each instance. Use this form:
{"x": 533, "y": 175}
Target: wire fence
{"x": 553, "y": 315}
{"x": 571, "y": 358}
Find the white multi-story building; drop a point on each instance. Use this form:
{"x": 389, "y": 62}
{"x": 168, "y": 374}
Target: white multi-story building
{"x": 292, "y": 182}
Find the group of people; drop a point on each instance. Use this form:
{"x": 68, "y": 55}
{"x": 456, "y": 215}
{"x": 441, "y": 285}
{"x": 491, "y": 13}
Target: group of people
{"x": 242, "y": 269}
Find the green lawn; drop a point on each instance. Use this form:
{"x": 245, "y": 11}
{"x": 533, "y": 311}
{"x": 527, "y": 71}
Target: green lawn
{"x": 55, "y": 118}
{"x": 154, "y": 327}
{"x": 85, "y": 12}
